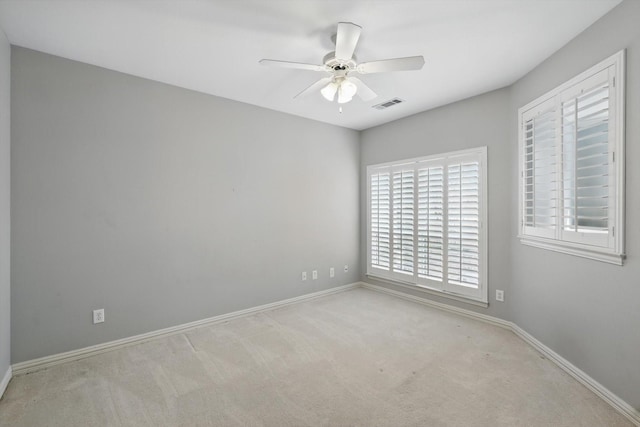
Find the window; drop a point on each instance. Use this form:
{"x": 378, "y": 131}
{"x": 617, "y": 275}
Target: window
{"x": 426, "y": 223}
{"x": 572, "y": 165}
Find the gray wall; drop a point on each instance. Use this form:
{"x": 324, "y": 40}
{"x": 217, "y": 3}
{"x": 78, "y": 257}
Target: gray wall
{"x": 474, "y": 122}
{"x": 5, "y": 228}
{"x": 587, "y": 311}
{"x": 163, "y": 205}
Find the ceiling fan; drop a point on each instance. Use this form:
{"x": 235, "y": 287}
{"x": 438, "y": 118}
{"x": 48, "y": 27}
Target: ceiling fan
{"x": 342, "y": 64}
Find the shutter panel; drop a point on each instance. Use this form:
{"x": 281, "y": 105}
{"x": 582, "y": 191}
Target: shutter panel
{"x": 430, "y": 223}
{"x": 403, "y": 217}
{"x": 540, "y": 175}
{"x": 463, "y": 224}
{"x": 585, "y": 147}
{"x": 380, "y": 216}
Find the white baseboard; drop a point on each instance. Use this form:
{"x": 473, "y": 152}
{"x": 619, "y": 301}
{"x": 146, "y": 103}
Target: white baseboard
{"x": 620, "y": 405}
{"x": 5, "y": 381}
{"x": 56, "y": 359}
{"x": 605, "y": 394}
{"x": 446, "y": 307}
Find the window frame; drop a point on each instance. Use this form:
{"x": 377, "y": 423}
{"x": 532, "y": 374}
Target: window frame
{"x": 477, "y": 296}
{"x": 569, "y": 242}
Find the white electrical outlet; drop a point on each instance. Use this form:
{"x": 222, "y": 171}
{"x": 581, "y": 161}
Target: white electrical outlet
{"x": 499, "y": 295}
{"x": 304, "y": 275}
{"x": 314, "y": 274}
{"x": 98, "y": 316}
{"x": 332, "y": 272}
{"x": 346, "y": 268}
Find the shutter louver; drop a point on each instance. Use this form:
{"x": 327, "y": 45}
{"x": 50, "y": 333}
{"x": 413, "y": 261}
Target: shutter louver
{"x": 540, "y": 192}
{"x": 430, "y": 223}
{"x": 463, "y": 224}
{"x": 380, "y": 216}
{"x": 403, "y": 217}
{"x": 585, "y": 145}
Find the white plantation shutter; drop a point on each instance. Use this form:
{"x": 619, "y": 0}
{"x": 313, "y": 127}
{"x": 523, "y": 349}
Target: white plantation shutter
{"x": 463, "y": 224}
{"x": 586, "y": 165}
{"x": 430, "y": 223}
{"x": 540, "y": 164}
{"x": 403, "y": 216}
{"x": 436, "y": 211}
{"x": 572, "y": 185}
{"x": 380, "y": 216}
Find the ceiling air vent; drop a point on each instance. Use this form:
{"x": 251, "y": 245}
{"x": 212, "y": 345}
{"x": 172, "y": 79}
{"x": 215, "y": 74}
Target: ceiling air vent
{"x": 387, "y": 104}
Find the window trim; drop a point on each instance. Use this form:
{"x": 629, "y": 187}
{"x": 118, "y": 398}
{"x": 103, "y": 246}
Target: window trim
{"x": 413, "y": 282}
{"x": 616, "y": 254}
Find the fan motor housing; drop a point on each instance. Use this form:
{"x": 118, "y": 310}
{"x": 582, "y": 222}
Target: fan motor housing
{"x": 340, "y": 68}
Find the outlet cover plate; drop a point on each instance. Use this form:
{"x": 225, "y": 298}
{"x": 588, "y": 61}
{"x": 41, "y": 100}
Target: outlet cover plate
{"x": 98, "y": 316}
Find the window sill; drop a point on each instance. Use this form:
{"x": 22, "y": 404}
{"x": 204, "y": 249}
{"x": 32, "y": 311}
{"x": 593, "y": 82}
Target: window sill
{"x": 573, "y": 249}
{"x": 442, "y": 294}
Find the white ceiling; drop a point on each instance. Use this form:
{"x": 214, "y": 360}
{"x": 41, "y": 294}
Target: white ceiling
{"x": 213, "y": 46}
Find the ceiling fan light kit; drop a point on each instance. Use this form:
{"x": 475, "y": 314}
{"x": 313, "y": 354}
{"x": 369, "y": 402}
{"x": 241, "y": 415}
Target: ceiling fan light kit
{"x": 343, "y": 87}
{"x": 341, "y": 63}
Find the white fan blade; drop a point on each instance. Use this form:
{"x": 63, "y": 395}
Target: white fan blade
{"x": 397, "y": 64}
{"x": 364, "y": 92}
{"x": 297, "y": 65}
{"x": 346, "y": 40}
{"x": 314, "y": 87}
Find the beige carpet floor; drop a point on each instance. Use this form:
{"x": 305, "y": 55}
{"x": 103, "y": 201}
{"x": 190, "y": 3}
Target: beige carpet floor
{"x": 358, "y": 358}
